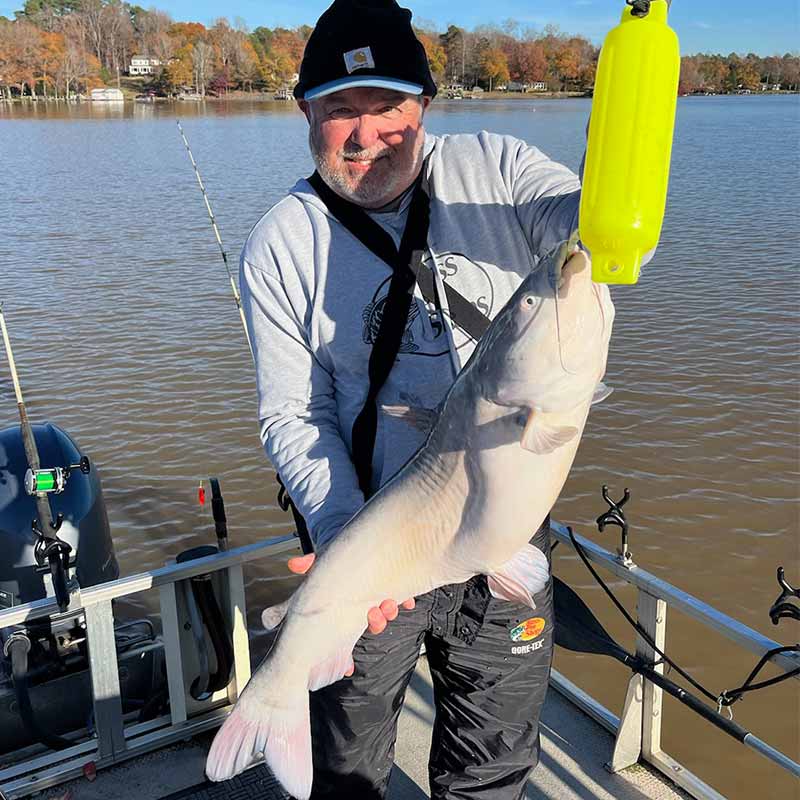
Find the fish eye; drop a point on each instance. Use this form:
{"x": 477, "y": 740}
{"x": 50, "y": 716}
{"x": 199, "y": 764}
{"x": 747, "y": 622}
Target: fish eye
{"x": 529, "y": 300}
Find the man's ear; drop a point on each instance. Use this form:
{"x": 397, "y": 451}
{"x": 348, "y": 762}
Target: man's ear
{"x": 305, "y": 107}
{"x": 426, "y": 101}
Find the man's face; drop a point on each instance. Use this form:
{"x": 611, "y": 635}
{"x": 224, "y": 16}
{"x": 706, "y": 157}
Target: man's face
{"x": 367, "y": 142}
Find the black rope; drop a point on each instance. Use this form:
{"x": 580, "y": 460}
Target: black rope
{"x": 639, "y": 629}
{"x": 725, "y": 698}
{"x": 730, "y": 696}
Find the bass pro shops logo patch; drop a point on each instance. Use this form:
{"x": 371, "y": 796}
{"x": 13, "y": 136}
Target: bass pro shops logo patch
{"x": 530, "y": 629}
{"x": 525, "y": 632}
{"x": 361, "y": 58}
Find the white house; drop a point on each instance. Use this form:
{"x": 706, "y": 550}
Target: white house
{"x": 142, "y": 65}
{"x": 107, "y": 95}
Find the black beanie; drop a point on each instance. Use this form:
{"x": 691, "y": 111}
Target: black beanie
{"x": 364, "y": 43}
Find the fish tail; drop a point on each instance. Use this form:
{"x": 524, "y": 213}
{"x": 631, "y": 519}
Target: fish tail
{"x": 282, "y": 733}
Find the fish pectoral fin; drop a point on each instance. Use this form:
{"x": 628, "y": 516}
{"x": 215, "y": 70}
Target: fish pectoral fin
{"x": 332, "y": 669}
{"x": 272, "y": 616}
{"x": 525, "y": 574}
{"x": 281, "y": 734}
{"x": 420, "y": 418}
{"x": 543, "y": 433}
{"x": 601, "y": 393}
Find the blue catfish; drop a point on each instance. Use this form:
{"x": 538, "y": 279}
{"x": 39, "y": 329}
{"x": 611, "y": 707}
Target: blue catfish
{"x": 467, "y": 503}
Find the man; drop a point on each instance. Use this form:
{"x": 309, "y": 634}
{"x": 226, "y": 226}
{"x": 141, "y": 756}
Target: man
{"x": 315, "y": 294}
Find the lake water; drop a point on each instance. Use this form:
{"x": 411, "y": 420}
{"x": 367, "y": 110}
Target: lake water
{"x": 126, "y": 335}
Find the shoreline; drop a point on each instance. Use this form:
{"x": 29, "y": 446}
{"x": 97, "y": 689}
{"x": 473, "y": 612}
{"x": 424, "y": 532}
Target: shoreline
{"x": 267, "y": 97}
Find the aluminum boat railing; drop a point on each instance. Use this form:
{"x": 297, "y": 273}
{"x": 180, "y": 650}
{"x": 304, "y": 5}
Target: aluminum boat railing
{"x": 638, "y": 730}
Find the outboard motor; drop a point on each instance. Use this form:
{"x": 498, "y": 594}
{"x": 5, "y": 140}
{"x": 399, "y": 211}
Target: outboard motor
{"x": 45, "y": 689}
{"x": 80, "y": 501}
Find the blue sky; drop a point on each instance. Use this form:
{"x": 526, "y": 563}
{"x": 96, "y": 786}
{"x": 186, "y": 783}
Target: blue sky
{"x": 720, "y": 26}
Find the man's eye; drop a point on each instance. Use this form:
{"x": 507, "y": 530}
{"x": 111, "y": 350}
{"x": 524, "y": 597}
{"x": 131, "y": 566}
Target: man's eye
{"x": 340, "y": 112}
{"x": 390, "y": 111}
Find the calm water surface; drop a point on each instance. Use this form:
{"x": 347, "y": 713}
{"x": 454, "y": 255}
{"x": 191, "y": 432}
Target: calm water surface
{"x": 126, "y": 335}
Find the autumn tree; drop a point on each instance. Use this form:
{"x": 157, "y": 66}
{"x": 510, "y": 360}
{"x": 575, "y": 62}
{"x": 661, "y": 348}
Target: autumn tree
{"x": 151, "y": 34}
{"x": 527, "y": 63}
{"x": 183, "y": 33}
{"x": 24, "y": 57}
{"x": 180, "y": 70}
{"x": 437, "y": 58}
{"x": 790, "y": 71}
{"x": 494, "y": 66}
{"x": 290, "y": 45}
{"x": 691, "y": 76}
{"x": 772, "y": 70}
{"x": 453, "y": 42}
{"x": 202, "y": 64}
{"x": 714, "y": 70}
{"x": 51, "y": 53}
{"x": 117, "y": 37}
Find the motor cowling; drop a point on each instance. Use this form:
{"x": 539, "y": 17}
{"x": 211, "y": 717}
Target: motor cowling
{"x": 85, "y": 527}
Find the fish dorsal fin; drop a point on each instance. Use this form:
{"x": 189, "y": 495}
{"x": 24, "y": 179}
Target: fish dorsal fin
{"x": 545, "y": 433}
{"x": 601, "y": 393}
{"x": 420, "y": 418}
{"x": 525, "y": 574}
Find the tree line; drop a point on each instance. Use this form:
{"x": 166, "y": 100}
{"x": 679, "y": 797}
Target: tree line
{"x": 60, "y": 48}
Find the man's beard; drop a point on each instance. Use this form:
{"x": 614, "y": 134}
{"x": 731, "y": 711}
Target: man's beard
{"x": 375, "y": 187}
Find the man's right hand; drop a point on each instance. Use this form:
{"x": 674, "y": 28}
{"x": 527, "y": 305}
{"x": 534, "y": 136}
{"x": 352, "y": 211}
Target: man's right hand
{"x": 377, "y": 617}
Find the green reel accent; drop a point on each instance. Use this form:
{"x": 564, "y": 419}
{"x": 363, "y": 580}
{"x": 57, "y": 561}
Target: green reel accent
{"x": 45, "y": 480}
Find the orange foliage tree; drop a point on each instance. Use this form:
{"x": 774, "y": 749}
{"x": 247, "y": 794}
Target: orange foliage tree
{"x": 437, "y": 57}
{"x": 494, "y": 66}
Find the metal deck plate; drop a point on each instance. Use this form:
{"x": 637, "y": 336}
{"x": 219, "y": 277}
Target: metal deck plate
{"x": 255, "y": 783}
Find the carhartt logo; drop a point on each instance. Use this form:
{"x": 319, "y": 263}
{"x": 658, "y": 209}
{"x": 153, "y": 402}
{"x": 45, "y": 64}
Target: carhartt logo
{"x": 528, "y": 630}
{"x": 359, "y": 59}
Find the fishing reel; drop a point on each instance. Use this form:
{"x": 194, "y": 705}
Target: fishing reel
{"x": 53, "y": 480}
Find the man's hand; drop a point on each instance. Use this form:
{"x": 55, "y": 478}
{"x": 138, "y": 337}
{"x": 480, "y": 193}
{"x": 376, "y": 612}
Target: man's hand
{"x": 378, "y": 616}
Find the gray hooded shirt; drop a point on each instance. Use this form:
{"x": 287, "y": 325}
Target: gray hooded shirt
{"x": 313, "y": 297}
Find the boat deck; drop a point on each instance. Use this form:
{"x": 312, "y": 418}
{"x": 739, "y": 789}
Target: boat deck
{"x": 574, "y": 751}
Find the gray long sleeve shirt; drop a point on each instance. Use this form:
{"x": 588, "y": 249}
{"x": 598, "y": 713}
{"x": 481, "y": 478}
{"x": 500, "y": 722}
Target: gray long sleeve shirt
{"x": 313, "y": 296}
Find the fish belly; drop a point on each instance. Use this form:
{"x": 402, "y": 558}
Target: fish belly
{"x": 514, "y": 490}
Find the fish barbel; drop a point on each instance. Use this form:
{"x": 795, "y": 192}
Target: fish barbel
{"x": 467, "y": 503}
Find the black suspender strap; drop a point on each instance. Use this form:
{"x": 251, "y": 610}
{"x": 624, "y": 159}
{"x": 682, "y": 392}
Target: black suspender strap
{"x": 405, "y": 264}
{"x": 407, "y": 269}
{"x": 462, "y": 313}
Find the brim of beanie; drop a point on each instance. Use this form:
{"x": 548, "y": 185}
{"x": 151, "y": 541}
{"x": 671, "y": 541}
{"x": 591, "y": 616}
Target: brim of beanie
{"x": 375, "y": 81}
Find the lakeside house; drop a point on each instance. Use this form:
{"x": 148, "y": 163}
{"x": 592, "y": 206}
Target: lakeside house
{"x": 107, "y": 94}
{"x": 143, "y": 65}
{"x": 516, "y": 86}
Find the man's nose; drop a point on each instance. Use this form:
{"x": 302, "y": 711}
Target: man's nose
{"x": 366, "y": 131}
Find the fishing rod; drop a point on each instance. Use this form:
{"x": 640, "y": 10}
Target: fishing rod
{"x": 39, "y": 483}
{"x": 577, "y": 629}
{"x": 211, "y": 217}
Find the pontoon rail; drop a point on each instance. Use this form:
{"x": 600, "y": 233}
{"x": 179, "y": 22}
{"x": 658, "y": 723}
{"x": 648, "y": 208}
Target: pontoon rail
{"x": 638, "y": 730}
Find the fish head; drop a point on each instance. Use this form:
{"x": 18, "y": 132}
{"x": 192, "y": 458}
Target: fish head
{"x": 549, "y": 344}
